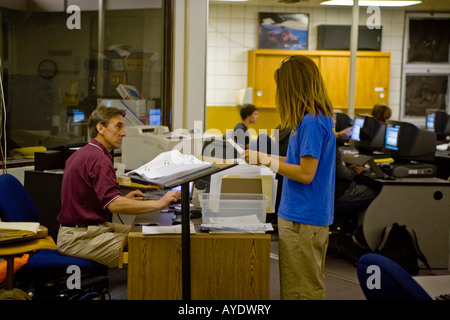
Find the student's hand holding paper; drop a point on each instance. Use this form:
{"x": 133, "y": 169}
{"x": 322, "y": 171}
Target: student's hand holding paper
{"x": 260, "y": 158}
{"x": 252, "y": 157}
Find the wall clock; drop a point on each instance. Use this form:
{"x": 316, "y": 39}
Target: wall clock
{"x": 47, "y": 69}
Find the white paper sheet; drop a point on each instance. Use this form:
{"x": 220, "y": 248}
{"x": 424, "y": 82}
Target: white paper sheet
{"x": 238, "y": 227}
{"x": 176, "y": 229}
{"x": 170, "y": 164}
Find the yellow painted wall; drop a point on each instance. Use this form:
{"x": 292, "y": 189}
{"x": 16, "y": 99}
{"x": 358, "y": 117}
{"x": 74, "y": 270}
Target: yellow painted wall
{"x": 223, "y": 118}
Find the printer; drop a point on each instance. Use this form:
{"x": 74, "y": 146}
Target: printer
{"x": 143, "y": 143}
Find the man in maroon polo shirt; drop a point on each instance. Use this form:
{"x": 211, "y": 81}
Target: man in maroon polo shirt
{"x": 90, "y": 193}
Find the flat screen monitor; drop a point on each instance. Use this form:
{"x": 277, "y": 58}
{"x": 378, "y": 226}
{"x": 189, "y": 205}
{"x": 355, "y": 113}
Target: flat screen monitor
{"x": 367, "y": 134}
{"x": 78, "y": 115}
{"x": 154, "y": 117}
{"x": 429, "y": 120}
{"x": 404, "y": 142}
{"x": 356, "y": 130}
{"x": 439, "y": 122}
{"x": 391, "y": 137}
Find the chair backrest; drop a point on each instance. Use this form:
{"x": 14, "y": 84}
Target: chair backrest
{"x": 395, "y": 283}
{"x": 16, "y": 204}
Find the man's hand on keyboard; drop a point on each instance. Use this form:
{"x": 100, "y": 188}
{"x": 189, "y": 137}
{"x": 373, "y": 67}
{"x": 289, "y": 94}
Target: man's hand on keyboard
{"x": 170, "y": 196}
{"x": 135, "y": 194}
{"x": 357, "y": 169}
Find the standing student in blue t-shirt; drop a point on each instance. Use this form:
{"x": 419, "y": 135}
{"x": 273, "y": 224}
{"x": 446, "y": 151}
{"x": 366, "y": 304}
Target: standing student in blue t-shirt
{"x": 306, "y": 206}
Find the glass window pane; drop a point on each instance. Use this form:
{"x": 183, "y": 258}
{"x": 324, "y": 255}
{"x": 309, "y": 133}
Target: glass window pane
{"x": 429, "y": 40}
{"x": 51, "y": 73}
{"x": 423, "y": 92}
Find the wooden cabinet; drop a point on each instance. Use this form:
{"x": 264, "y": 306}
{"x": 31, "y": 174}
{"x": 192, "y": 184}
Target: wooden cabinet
{"x": 224, "y": 266}
{"x": 372, "y": 76}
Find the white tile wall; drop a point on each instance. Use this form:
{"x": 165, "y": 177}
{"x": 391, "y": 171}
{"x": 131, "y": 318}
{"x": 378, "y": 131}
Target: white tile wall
{"x": 233, "y": 30}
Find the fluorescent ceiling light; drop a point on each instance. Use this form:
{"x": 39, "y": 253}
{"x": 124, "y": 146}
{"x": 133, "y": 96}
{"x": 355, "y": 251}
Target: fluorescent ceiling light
{"x": 371, "y": 3}
{"x": 230, "y": 0}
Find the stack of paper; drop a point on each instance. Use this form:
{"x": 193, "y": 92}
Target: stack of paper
{"x": 238, "y": 227}
{"x": 168, "y": 165}
{"x": 18, "y": 229}
{"x": 176, "y": 229}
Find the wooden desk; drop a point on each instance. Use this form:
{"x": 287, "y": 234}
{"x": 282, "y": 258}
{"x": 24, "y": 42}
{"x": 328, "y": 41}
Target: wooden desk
{"x": 223, "y": 266}
{"x": 434, "y": 285}
{"x": 9, "y": 249}
{"x": 420, "y": 203}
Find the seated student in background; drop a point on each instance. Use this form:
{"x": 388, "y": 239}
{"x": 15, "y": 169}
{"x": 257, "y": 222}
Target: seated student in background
{"x": 249, "y": 115}
{"x": 90, "y": 193}
{"x": 346, "y": 188}
{"x": 381, "y": 112}
{"x": 240, "y": 134}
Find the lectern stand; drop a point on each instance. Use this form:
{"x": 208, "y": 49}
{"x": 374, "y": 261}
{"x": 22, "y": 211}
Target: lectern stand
{"x": 185, "y": 219}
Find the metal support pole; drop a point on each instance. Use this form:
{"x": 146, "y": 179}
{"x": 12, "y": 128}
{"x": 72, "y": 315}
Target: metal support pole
{"x": 101, "y": 44}
{"x": 353, "y": 51}
{"x": 185, "y": 242}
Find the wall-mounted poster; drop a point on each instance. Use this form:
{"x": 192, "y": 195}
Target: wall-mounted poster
{"x": 283, "y": 31}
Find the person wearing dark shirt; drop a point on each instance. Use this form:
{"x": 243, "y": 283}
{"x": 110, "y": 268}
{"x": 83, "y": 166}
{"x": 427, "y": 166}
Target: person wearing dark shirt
{"x": 346, "y": 186}
{"x": 90, "y": 193}
{"x": 240, "y": 135}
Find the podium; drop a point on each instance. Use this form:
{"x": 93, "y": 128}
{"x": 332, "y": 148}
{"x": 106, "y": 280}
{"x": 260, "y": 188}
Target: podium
{"x": 217, "y": 165}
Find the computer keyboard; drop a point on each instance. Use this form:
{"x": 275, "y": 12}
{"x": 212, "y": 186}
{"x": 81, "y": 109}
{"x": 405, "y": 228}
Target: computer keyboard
{"x": 368, "y": 174}
{"x": 356, "y": 159}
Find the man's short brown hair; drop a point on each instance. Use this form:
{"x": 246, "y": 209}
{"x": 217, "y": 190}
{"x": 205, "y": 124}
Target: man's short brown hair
{"x": 102, "y": 115}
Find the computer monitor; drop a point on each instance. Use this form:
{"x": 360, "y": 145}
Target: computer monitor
{"x": 439, "y": 122}
{"x": 78, "y": 115}
{"x": 404, "y": 142}
{"x": 154, "y": 117}
{"x": 343, "y": 121}
{"x": 429, "y": 119}
{"x": 367, "y": 134}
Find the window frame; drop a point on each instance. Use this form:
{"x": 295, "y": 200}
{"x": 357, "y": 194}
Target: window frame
{"x": 166, "y": 91}
{"x": 420, "y": 69}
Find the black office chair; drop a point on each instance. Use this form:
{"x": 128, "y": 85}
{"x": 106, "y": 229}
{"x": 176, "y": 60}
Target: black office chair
{"x": 383, "y": 279}
{"x": 45, "y": 274}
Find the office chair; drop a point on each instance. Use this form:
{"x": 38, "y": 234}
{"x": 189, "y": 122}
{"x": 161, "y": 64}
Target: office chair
{"x": 345, "y": 223}
{"x": 395, "y": 283}
{"x": 45, "y": 274}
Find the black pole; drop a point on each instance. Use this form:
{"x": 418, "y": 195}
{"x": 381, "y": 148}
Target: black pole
{"x": 185, "y": 242}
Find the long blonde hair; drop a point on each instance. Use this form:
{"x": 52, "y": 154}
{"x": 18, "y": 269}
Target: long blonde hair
{"x": 300, "y": 90}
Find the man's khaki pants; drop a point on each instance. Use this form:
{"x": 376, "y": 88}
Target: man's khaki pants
{"x": 99, "y": 243}
{"x": 302, "y": 252}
